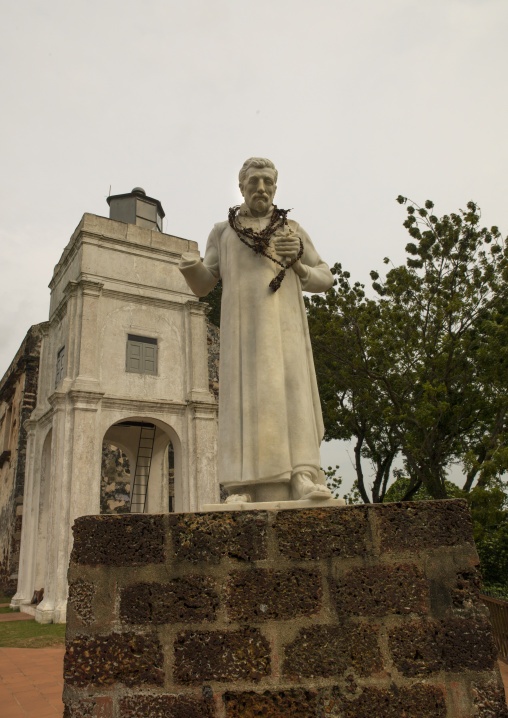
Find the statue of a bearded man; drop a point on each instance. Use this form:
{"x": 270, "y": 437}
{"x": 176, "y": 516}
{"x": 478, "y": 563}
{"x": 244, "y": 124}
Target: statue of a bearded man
{"x": 270, "y": 421}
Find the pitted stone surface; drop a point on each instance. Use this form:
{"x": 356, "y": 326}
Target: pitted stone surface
{"x": 100, "y": 707}
{"x": 282, "y": 704}
{"x": 418, "y": 525}
{"x": 418, "y": 701}
{"x": 325, "y": 651}
{"x": 211, "y": 537}
{"x": 454, "y": 644}
{"x": 189, "y": 598}
{"x": 81, "y": 595}
{"x": 489, "y": 700}
{"x": 466, "y": 589}
{"x": 132, "y": 540}
{"x": 202, "y": 656}
{"x": 380, "y": 590}
{"x": 265, "y": 594}
{"x": 281, "y": 614}
{"x": 117, "y": 658}
{"x": 166, "y": 706}
{"x": 322, "y": 533}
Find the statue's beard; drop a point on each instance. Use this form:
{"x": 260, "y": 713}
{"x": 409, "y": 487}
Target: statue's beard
{"x": 261, "y": 200}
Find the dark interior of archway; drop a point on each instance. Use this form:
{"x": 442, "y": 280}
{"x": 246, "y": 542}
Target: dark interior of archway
{"x": 135, "y": 423}
{"x": 171, "y": 476}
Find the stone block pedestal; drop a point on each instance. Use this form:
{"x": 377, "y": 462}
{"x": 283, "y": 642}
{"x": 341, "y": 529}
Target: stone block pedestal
{"x": 332, "y": 612}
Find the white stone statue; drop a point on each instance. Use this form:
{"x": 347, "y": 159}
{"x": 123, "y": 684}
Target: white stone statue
{"x": 270, "y": 421}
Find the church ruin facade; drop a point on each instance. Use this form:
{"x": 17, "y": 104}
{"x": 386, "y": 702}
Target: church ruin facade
{"x": 124, "y": 362}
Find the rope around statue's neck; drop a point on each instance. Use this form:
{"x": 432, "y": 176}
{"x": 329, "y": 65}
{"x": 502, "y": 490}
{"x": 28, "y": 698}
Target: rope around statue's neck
{"x": 259, "y": 241}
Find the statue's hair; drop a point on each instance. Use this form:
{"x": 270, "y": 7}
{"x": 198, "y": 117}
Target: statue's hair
{"x": 256, "y": 162}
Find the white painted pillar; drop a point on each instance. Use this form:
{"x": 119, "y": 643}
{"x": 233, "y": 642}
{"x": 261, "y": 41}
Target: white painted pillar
{"x": 61, "y": 453}
{"x": 196, "y": 352}
{"x": 27, "y": 552}
{"x": 206, "y": 486}
{"x": 42, "y": 506}
{"x": 86, "y": 352}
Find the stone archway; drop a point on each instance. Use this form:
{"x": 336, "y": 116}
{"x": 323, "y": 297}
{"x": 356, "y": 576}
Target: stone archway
{"x": 124, "y": 444}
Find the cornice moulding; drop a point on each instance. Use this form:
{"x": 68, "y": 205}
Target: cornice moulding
{"x": 84, "y": 399}
{"x": 57, "y": 399}
{"x": 137, "y": 405}
{"x": 129, "y": 247}
{"x": 143, "y": 299}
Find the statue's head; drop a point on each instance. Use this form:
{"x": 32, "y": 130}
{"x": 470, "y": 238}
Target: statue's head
{"x": 258, "y": 182}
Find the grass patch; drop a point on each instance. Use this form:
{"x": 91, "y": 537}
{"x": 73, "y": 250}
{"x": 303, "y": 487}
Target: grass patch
{"x": 30, "y": 634}
{"x": 6, "y": 609}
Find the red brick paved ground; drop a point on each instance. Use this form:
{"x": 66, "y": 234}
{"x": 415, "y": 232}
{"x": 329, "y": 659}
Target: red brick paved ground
{"x": 31, "y": 682}
{"x": 18, "y": 616}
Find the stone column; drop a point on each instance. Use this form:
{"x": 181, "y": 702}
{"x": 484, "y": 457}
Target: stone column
{"x": 42, "y": 386}
{"x": 74, "y": 308}
{"x": 61, "y": 453}
{"x": 86, "y": 350}
{"x": 29, "y": 526}
{"x": 46, "y": 372}
{"x": 75, "y": 491}
{"x": 201, "y": 415}
{"x": 86, "y": 454}
{"x": 196, "y": 352}
{"x": 203, "y": 484}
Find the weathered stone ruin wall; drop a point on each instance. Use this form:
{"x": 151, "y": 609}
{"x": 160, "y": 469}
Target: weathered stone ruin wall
{"x": 115, "y": 481}
{"x": 18, "y": 394}
{"x": 353, "y": 612}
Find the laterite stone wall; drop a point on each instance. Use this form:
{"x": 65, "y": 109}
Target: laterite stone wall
{"x": 351, "y": 612}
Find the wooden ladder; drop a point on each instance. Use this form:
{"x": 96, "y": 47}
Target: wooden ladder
{"x": 142, "y": 471}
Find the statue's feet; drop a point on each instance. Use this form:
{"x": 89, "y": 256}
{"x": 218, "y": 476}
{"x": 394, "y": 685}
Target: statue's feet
{"x": 303, "y": 487}
{"x": 238, "y": 499}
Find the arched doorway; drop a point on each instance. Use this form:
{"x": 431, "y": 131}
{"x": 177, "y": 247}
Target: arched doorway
{"x": 138, "y": 468}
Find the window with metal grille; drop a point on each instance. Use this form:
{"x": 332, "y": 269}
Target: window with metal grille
{"x": 141, "y": 354}
{"x": 60, "y": 366}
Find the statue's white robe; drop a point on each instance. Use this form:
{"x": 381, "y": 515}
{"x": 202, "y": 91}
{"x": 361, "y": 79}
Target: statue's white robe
{"x": 270, "y": 421}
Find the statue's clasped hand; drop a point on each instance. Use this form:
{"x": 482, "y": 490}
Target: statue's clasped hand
{"x": 287, "y": 245}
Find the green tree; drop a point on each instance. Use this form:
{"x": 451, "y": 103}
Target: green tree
{"x": 488, "y": 503}
{"x": 399, "y": 487}
{"x": 421, "y": 369}
{"x": 333, "y": 480}
{"x": 340, "y": 325}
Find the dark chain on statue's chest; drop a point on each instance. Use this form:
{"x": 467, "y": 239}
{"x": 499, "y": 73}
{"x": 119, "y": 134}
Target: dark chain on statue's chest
{"x": 259, "y": 241}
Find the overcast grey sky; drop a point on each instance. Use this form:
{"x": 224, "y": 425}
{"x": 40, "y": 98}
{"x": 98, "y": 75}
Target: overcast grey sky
{"x": 356, "y": 101}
